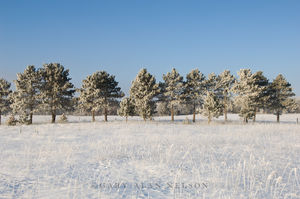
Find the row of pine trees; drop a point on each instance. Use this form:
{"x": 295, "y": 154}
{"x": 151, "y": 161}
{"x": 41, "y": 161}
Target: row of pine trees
{"x": 48, "y": 89}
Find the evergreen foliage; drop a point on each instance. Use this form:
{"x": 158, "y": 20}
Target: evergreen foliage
{"x": 143, "y": 92}
{"x": 162, "y": 104}
{"x": 243, "y": 89}
{"x": 24, "y": 118}
{"x": 98, "y": 91}
{"x": 212, "y": 107}
{"x": 253, "y": 93}
{"x": 194, "y": 89}
{"x": 260, "y": 91}
{"x": 211, "y": 83}
{"x": 25, "y": 100}
{"x": 280, "y": 97}
{"x": 224, "y": 85}
{"x": 126, "y": 108}
{"x": 173, "y": 90}
{"x": 56, "y": 89}
{"x": 49, "y": 90}
{"x": 4, "y": 96}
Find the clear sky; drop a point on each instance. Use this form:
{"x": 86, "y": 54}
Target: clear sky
{"x": 123, "y": 36}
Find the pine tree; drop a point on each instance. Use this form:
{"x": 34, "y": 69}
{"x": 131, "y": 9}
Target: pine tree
{"x": 98, "y": 91}
{"x": 56, "y": 89}
{"x": 4, "y": 99}
{"x": 143, "y": 92}
{"x": 281, "y": 93}
{"x": 24, "y": 118}
{"x": 244, "y": 90}
{"x": 194, "y": 89}
{"x": 224, "y": 85}
{"x": 161, "y": 103}
{"x": 253, "y": 93}
{"x": 260, "y": 91}
{"x": 212, "y": 107}
{"x": 174, "y": 90}
{"x": 126, "y": 108}
{"x": 26, "y": 97}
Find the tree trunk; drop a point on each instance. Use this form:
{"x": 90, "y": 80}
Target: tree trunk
{"x": 225, "y": 108}
{"x": 0, "y": 117}
{"x": 194, "y": 113}
{"x": 126, "y": 119}
{"x": 209, "y": 118}
{"x": 278, "y": 115}
{"x": 53, "y": 117}
{"x": 93, "y": 116}
{"x": 30, "y": 117}
{"x": 254, "y": 118}
{"x": 172, "y": 113}
{"x": 105, "y": 114}
{"x": 194, "y": 117}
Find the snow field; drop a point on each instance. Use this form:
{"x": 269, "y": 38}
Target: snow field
{"x": 155, "y": 159}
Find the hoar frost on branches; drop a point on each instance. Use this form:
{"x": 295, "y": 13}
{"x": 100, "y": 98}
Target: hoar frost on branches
{"x": 260, "y": 92}
{"x": 25, "y": 100}
{"x": 194, "y": 89}
{"x": 252, "y": 93}
{"x": 126, "y": 108}
{"x": 143, "y": 91}
{"x": 161, "y": 103}
{"x": 212, "y": 107}
{"x": 224, "y": 85}
{"x": 173, "y": 90}
{"x": 4, "y": 99}
{"x": 243, "y": 89}
{"x": 56, "y": 89}
{"x": 280, "y": 98}
{"x": 98, "y": 91}
{"x": 49, "y": 89}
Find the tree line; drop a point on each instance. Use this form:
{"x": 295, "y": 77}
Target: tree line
{"x": 49, "y": 90}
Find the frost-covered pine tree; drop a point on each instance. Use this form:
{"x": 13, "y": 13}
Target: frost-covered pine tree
{"x": 211, "y": 82}
{"x": 126, "y": 108}
{"x": 173, "y": 90}
{"x": 161, "y": 103}
{"x": 143, "y": 92}
{"x": 224, "y": 85}
{"x": 25, "y": 100}
{"x": 281, "y": 93}
{"x": 56, "y": 91}
{"x": 4, "y": 99}
{"x": 194, "y": 89}
{"x": 212, "y": 107}
{"x": 243, "y": 87}
{"x": 98, "y": 91}
{"x": 260, "y": 91}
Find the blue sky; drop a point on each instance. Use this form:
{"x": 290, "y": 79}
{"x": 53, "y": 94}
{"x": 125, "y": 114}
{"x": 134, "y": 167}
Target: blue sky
{"x": 123, "y": 36}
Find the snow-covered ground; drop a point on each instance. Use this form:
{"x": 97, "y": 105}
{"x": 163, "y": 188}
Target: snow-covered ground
{"x": 156, "y": 159}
